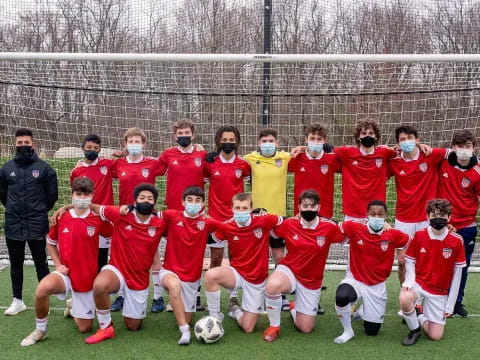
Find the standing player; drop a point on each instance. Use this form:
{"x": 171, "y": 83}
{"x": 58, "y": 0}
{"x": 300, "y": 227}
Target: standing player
{"x": 73, "y": 246}
{"x": 307, "y": 240}
{"x": 248, "y": 240}
{"x": 372, "y": 251}
{"x": 460, "y": 184}
{"x": 434, "y": 262}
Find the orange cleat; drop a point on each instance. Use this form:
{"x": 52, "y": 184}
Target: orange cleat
{"x": 271, "y": 333}
{"x": 101, "y": 335}
{"x": 291, "y": 305}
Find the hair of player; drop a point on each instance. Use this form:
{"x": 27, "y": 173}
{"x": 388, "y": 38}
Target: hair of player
{"x": 377, "y": 203}
{"x": 135, "y": 131}
{"x": 91, "y": 138}
{"x": 183, "y": 124}
{"x": 268, "y": 132}
{"x": 24, "y": 132}
{"x": 316, "y": 129}
{"x": 441, "y": 206}
{"x": 243, "y": 197}
{"x": 82, "y": 185}
{"x": 310, "y": 195}
{"x": 145, "y": 187}
{"x": 365, "y": 124}
{"x": 405, "y": 129}
{"x": 462, "y": 137}
{"x": 194, "y": 191}
{"x": 224, "y": 129}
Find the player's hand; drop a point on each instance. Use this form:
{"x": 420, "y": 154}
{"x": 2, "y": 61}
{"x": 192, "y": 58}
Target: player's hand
{"x": 199, "y": 147}
{"x": 327, "y": 148}
{"x": 448, "y": 315}
{"x": 451, "y": 228}
{"x": 59, "y": 213}
{"x": 124, "y": 209}
{"x": 62, "y": 269}
{"x": 297, "y": 151}
{"x": 210, "y": 158}
{"x": 120, "y": 153}
{"x": 427, "y": 150}
{"x": 387, "y": 226}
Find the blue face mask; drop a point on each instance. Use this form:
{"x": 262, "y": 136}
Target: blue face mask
{"x": 315, "y": 147}
{"x": 135, "y": 149}
{"x": 267, "y": 149}
{"x": 408, "y": 146}
{"x": 193, "y": 209}
{"x": 376, "y": 223}
{"x": 241, "y": 217}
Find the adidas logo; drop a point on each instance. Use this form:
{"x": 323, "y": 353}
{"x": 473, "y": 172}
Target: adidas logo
{"x": 471, "y": 242}
{"x": 128, "y": 227}
{"x": 445, "y": 175}
{"x": 236, "y": 237}
{"x": 12, "y": 173}
{"x": 303, "y": 169}
{"x": 179, "y": 223}
{"x": 123, "y": 173}
{"x": 175, "y": 162}
{"x": 402, "y": 172}
{"x": 360, "y": 242}
{"x": 259, "y": 308}
{"x": 90, "y": 312}
{"x": 66, "y": 230}
{"x": 258, "y": 162}
{"x": 355, "y": 162}
{"x": 217, "y": 173}
{"x": 295, "y": 237}
{"x": 423, "y": 250}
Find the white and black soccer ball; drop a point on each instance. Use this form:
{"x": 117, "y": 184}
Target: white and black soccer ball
{"x": 208, "y": 329}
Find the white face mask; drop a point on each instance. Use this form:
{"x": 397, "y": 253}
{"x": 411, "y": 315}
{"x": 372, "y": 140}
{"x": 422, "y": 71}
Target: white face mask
{"x": 81, "y": 203}
{"x": 464, "y": 154}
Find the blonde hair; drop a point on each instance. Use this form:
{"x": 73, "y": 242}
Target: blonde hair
{"x": 135, "y": 131}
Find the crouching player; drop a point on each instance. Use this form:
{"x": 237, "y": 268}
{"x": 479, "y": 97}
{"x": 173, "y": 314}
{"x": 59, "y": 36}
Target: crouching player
{"x": 372, "y": 251}
{"x": 73, "y": 246}
{"x": 248, "y": 243}
{"x": 307, "y": 238}
{"x": 434, "y": 262}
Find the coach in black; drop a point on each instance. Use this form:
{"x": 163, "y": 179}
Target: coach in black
{"x": 28, "y": 190}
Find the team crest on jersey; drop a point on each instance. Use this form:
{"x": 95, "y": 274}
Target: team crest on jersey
{"x": 198, "y": 162}
{"x": 103, "y": 170}
{"x": 258, "y": 233}
{"x": 145, "y": 172}
{"x": 378, "y": 162}
{"x": 423, "y": 167}
{"x": 384, "y": 245}
{"x": 91, "y": 230}
{"x": 320, "y": 240}
{"x": 278, "y": 163}
{"x": 35, "y": 173}
{"x": 152, "y": 231}
{"x": 201, "y": 225}
{"x": 447, "y": 252}
{"x": 238, "y": 173}
{"x": 324, "y": 169}
{"x": 465, "y": 182}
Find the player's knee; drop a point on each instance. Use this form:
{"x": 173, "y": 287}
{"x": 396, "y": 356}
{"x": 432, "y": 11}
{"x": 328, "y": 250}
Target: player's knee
{"x": 345, "y": 294}
{"x": 248, "y": 328}
{"x": 305, "y": 328}
{"x": 273, "y": 287}
{"x": 84, "y": 328}
{"x": 43, "y": 291}
{"x": 133, "y": 325}
{"x": 435, "y": 336}
{"x": 371, "y": 328}
{"x": 210, "y": 277}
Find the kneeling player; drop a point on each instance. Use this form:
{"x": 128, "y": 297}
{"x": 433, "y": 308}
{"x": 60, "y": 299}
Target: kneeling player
{"x": 308, "y": 240}
{"x": 73, "y": 246}
{"x": 372, "y": 251}
{"x": 248, "y": 244}
{"x": 434, "y": 262}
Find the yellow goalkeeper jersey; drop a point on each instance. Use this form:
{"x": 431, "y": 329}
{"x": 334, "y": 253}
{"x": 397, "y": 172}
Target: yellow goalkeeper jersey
{"x": 269, "y": 181}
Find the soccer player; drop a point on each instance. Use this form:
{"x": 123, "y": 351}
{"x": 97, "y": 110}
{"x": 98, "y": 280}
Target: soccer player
{"x": 459, "y": 183}
{"x": 434, "y": 262}
{"x": 73, "y": 246}
{"x": 372, "y": 251}
{"x": 135, "y": 241}
{"x": 248, "y": 242}
{"x": 307, "y": 239}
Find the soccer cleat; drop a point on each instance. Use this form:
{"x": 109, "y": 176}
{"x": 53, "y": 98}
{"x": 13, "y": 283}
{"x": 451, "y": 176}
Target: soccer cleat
{"x": 291, "y": 305}
{"x": 412, "y": 337}
{"x": 101, "y": 335}
{"x": 233, "y": 311}
{"x": 320, "y": 310}
{"x": 418, "y": 309}
{"x": 285, "y": 304}
{"x": 199, "y": 306}
{"x": 184, "y": 338}
{"x": 34, "y": 337}
{"x": 117, "y": 304}
{"x": 234, "y": 301}
{"x": 271, "y": 333}
{"x": 157, "y": 305}
{"x": 342, "y": 339}
{"x": 460, "y": 310}
{"x": 68, "y": 309}
{"x": 17, "y": 306}
{"x": 220, "y": 316}
{"x": 169, "y": 308}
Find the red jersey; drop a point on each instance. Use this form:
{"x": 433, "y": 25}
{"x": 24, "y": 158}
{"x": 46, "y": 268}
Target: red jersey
{"x": 248, "y": 245}
{"x": 183, "y": 169}
{"x": 416, "y": 182}
{"x": 308, "y": 248}
{"x": 226, "y": 180}
{"x": 100, "y": 172}
{"x": 435, "y": 259}
{"x": 76, "y": 238}
{"x": 315, "y": 174}
{"x": 364, "y": 177}
{"x": 187, "y": 240}
{"x": 462, "y": 189}
{"x": 372, "y": 254}
{"x": 134, "y": 244}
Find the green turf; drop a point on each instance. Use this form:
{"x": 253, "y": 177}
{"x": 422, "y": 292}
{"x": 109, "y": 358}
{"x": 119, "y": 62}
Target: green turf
{"x": 157, "y": 339}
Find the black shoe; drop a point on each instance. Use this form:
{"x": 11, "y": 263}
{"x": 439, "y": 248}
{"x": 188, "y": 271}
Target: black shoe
{"x": 199, "y": 306}
{"x": 285, "y": 303}
{"x": 157, "y": 305}
{"x": 412, "y": 337}
{"x": 234, "y": 301}
{"x": 117, "y": 304}
{"x": 320, "y": 310}
{"x": 460, "y": 310}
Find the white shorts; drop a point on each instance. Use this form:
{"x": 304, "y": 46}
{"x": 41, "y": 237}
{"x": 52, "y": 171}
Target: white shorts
{"x": 218, "y": 244}
{"x": 253, "y": 295}
{"x": 374, "y": 299}
{"x": 433, "y": 305}
{"x": 83, "y": 305}
{"x": 103, "y": 242}
{"x": 351, "y": 218}
{"x": 189, "y": 291}
{"x": 135, "y": 301}
{"x": 410, "y": 228}
{"x": 306, "y": 300}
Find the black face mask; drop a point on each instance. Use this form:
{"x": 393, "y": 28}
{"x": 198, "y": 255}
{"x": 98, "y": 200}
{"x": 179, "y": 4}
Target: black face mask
{"x": 24, "y": 153}
{"x": 91, "y": 155}
{"x": 308, "y": 215}
{"x": 144, "y": 207}
{"x": 367, "y": 141}
{"x": 227, "y": 148}
{"x": 438, "y": 223}
{"x": 184, "y": 141}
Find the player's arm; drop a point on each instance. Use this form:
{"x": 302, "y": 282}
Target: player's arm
{"x": 52, "y": 241}
{"x": 454, "y": 287}
{"x": 57, "y": 215}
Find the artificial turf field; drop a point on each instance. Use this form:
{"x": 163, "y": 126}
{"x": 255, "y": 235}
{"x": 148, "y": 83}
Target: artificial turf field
{"x": 158, "y": 336}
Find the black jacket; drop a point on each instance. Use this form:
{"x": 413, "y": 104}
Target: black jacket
{"x": 28, "y": 191}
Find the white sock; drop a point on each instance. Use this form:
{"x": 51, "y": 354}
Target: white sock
{"x": 358, "y": 314}
{"x": 274, "y": 308}
{"x": 213, "y": 302}
{"x": 157, "y": 287}
{"x": 411, "y": 319}
{"x": 104, "y": 318}
{"x": 293, "y": 314}
{"x": 421, "y": 319}
{"x": 345, "y": 316}
{"x": 185, "y": 335}
{"x": 41, "y": 324}
{"x": 234, "y": 293}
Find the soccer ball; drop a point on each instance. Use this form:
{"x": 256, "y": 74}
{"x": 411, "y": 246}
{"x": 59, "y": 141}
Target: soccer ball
{"x": 208, "y": 329}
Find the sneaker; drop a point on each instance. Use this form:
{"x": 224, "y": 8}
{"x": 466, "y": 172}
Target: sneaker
{"x": 291, "y": 305}
{"x": 234, "y": 301}
{"x": 117, "y": 304}
{"x": 412, "y": 337}
{"x": 35, "y": 336}
{"x": 320, "y": 310}
{"x": 199, "y": 307}
{"x": 271, "y": 333}
{"x": 157, "y": 305}
{"x": 460, "y": 310}
{"x": 169, "y": 308}
{"x": 233, "y": 309}
{"x": 101, "y": 335}
{"x": 418, "y": 309}
{"x": 68, "y": 309}
{"x": 16, "y": 307}
{"x": 285, "y": 304}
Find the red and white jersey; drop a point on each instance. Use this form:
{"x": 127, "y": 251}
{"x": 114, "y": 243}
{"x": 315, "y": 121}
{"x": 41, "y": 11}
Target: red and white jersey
{"x": 183, "y": 169}
{"x": 134, "y": 244}
{"x": 315, "y": 174}
{"x": 187, "y": 240}
{"x": 248, "y": 245}
{"x": 435, "y": 259}
{"x": 364, "y": 177}
{"x": 372, "y": 254}
{"x": 308, "y": 248}
{"x": 462, "y": 188}
{"x": 100, "y": 172}
{"x": 76, "y": 238}
{"x": 226, "y": 180}
{"x": 416, "y": 182}
{"x": 131, "y": 174}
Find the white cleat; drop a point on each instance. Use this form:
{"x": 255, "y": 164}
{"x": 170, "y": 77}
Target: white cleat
{"x": 16, "y": 307}
{"x": 68, "y": 309}
{"x": 35, "y": 336}
{"x": 169, "y": 308}
{"x": 185, "y": 338}
{"x": 342, "y": 339}
{"x": 220, "y": 316}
